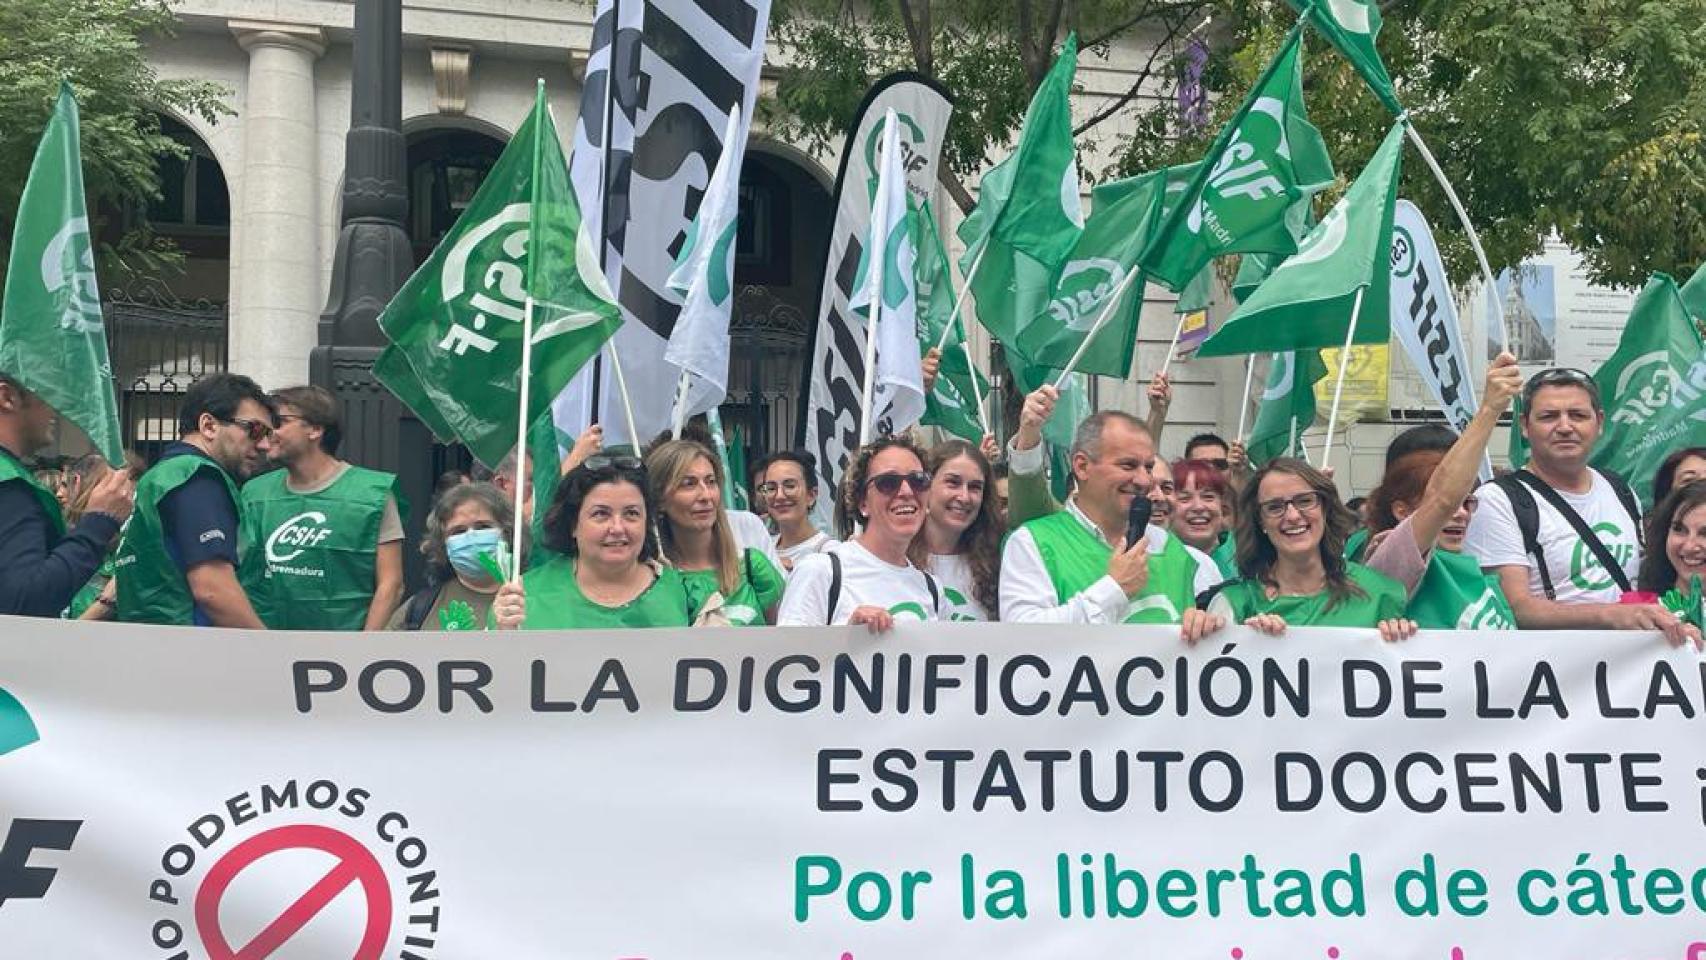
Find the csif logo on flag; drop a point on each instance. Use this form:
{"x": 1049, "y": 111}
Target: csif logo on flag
{"x": 68, "y": 273}
{"x": 1083, "y": 287}
{"x": 501, "y": 240}
{"x": 913, "y": 151}
{"x": 1242, "y": 173}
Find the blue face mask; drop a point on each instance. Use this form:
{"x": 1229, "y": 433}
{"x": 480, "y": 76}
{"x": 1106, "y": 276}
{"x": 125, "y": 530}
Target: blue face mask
{"x": 464, "y": 550}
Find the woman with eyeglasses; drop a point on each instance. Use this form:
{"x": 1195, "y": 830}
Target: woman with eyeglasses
{"x": 869, "y": 578}
{"x": 789, "y": 494}
{"x": 687, "y": 484}
{"x": 962, "y": 534}
{"x": 467, "y": 527}
{"x": 1419, "y": 519}
{"x": 1673, "y": 570}
{"x": 606, "y": 574}
{"x": 1201, "y": 497}
{"x": 1291, "y": 539}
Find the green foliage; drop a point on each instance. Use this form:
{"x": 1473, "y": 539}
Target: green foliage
{"x": 1580, "y": 117}
{"x": 1585, "y": 118}
{"x": 99, "y": 45}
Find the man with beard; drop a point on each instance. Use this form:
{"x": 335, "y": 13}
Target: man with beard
{"x": 177, "y": 561}
{"x": 322, "y": 539}
{"x": 41, "y": 565}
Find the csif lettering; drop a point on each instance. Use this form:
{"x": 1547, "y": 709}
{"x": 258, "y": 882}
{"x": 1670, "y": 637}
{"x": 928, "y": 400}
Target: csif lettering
{"x": 502, "y": 291}
{"x": 305, "y": 530}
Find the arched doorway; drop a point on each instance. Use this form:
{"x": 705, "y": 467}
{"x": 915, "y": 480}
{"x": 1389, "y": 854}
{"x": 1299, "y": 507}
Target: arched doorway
{"x": 785, "y": 217}
{"x": 446, "y": 167}
{"x": 167, "y": 305}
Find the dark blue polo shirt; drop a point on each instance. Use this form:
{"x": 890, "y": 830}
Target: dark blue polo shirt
{"x": 199, "y": 519}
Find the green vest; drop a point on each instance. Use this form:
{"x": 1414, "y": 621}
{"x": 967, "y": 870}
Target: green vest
{"x": 1383, "y": 599}
{"x": 12, "y": 469}
{"x": 555, "y": 601}
{"x": 1456, "y": 595}
{"x": 1076, "y": 558}
{"x": 309, "y": 558}
{"x": 760, "y": 588}
{"x": 1225, "y": 556}
{"x": 151, "y": 588}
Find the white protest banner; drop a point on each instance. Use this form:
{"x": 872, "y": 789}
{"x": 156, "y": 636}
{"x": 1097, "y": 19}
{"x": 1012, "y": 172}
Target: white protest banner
{"x": 832, "y": 408}
{"x": 979, "y": 791}
{"x": 1424, "y": 317}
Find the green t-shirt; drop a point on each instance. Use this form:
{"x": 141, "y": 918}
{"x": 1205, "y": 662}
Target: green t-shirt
{"x": 1455, "y": 594}
{"x": 1225, "y": 556}
{"x": 1383, "y": 599}
{"x": 760, "y": 588}
{"x": 1357, "y": 544}
{"x": 555, "y": 601}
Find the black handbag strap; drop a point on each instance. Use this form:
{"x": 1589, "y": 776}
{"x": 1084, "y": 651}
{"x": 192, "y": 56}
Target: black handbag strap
{"x": 1581, "y": 527}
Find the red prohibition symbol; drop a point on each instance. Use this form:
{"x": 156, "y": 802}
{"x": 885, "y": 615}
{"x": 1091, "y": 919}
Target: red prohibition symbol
{"x": 355, "y": 865}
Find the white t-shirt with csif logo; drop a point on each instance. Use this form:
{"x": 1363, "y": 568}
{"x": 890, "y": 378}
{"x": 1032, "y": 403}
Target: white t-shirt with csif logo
{"x": 1577, "y": 577}
{"x": 866, "y": 580}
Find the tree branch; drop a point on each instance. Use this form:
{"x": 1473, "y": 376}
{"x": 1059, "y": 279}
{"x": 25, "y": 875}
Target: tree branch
{"x": 1143, "y": 75}
{"x": 956, "y": 189}
{"x": 918, "y": 34}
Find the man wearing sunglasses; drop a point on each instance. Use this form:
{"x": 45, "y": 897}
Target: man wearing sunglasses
{"x": 177, "y": 561}
{"x": 1567, "y": 564}
{"x": 1074, "y": 565}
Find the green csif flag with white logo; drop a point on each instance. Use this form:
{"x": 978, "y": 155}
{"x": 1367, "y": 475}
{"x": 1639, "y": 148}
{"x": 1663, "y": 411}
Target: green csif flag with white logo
{"x": 1042, "y": 214}
{"x": 1288, "y": 406}
{"x": 1648, "y": 387}
{"x": 1100, "y": 276}
{"x": 1694, "y": 294}
{"x": 952, "y": 403}
{"x": 1352, "y": 26}
{"x": 1262, "y": 162}
{"x": 52, "y": 340}
{"x": 455, "y": 329}
{"x": 704, "y": 276}
{"x": 1339, "y": 275}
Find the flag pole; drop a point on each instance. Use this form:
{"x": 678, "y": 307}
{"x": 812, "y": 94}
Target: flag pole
{"x": 873, "y": 317}
{"x": 1339, "y": 388}
{"x": 1173, "y": 347}
{"x": 959, "y": 301}
{"x": 1468, "y": 230}
{"x": 609, "y": 125}
{"x": 622, "y": 388}
{"x": 1096, "y": 328}
{"x": 521, "y": 482}
{"x": 976, "y": 391}
{"x": 1244, "y": 405}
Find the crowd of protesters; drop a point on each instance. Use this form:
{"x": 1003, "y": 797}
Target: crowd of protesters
{"x": 250, "y": 520}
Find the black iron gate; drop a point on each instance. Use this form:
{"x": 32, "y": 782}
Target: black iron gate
{"x": 159, "y": 346}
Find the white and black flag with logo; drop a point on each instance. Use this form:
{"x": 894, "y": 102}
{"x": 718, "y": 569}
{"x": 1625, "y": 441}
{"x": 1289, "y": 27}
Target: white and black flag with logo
{"x": 832, "y": 409}
{"x": 680, "y": 66}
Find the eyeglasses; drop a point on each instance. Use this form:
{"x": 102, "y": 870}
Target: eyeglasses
{"x": 769, "y": 488}
{"x": 257, "y": 430}
{"x": 1220, "y": 463}
{"x": 625, "y": 464}
{"x": 1304, "y": 502}
{"x": 888, "y": 484}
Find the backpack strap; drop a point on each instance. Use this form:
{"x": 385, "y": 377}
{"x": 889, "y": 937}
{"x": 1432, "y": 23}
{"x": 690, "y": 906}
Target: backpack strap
{"x": 419, "y": 606}
{"x": 1626, "y": 496}
{"x": 834, "y": 586}
{"x": 935, "y": 594}
{"x": 1581, "y": 527}
{"x": 1527, "y": 514}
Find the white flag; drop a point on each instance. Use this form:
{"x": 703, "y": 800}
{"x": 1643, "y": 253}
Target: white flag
{"x": 704, "y": 277}
{"x": 886, "y": 270}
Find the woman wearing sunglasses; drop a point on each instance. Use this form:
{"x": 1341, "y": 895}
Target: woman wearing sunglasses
{"x": 687, "y": 484}
{"x": 962, "y": 534}
{"x": 869, "y": 579}
{"x": 1291, "y": 532}
{"x": 606, "y": 574}
{"x": 1419, "y": 517}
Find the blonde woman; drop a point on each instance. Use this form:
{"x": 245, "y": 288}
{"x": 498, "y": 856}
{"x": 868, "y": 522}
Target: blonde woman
{"x": 686, "y": 483}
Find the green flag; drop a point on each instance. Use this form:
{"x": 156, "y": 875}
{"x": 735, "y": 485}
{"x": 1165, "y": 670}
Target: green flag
{"x": 52, "y": 340}
{"x": 1263, "y": 161}
{"x": 1694, "y": 294}
{"x": 1102, "y": 264}
{"x": 456, "y": 327}
{"x": 1041, "y": 214}
{"x": 1288, "y": 406}
{"x": 1253, "y": 268}
{"x": 732, "y": 451}
{"x": 1352, "y": 26}
{"x": 1651, "y": 407}
{"x": 952, "y": 403}
{"x": 1309, "y": 300}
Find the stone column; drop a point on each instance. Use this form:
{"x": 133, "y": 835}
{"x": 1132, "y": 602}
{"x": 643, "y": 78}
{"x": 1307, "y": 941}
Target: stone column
{"x": 277, "y": 315}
